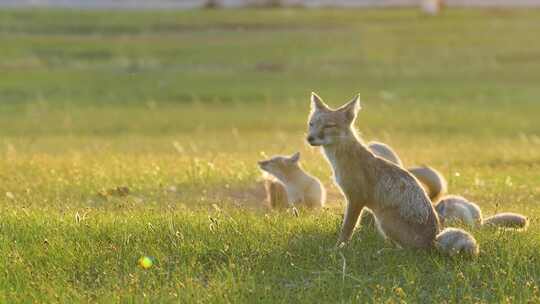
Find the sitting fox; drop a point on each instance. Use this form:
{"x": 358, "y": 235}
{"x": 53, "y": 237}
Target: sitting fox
{"x": 432, "y": 181}
{"x": 457, "y": 208}
{"x": 402, "y": 209}
{"x": 292, "y": 186}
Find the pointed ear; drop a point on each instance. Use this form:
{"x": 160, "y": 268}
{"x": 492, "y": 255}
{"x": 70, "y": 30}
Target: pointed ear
{"x": 317, "y": 104}
{"x": 295, "y": 157}
{"x": 351, "y": 108}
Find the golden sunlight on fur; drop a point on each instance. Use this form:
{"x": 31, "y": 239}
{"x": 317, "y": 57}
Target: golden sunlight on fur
{"x": 403, "y": 211}
{"x": 289, "y": 185}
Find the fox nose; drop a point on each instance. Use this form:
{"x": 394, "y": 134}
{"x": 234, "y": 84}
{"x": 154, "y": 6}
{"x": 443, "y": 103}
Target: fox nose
{"x": 310, "y": 138}
{"x": 262, "y": 163}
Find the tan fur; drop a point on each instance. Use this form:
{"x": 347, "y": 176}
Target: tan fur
{"x": 457, "y": 208}
{"x": 453, "y": 241}
{"x": 430, "y": 179}
{"x": 401, "y": 207}
{"x": 507, "y": 220}
{"x": 384, "y": 151}
{"x": 301, "y": 189}
{"x": 276, "y": 195}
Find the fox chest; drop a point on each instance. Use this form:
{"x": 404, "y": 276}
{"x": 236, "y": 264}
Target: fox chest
{"x": 294, "y": 195}
{"x": 351, "y": 182}
{"x": 336, "y": 168}
{"x": 352, "y": 186}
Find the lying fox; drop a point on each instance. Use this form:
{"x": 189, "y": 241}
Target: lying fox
{"x": 450, "y": 208}
{"x": 290, "y": 185}
{"x": 402, "y": 209}
{"x": 432, "y": 181}
{"x": 457, "y": 208}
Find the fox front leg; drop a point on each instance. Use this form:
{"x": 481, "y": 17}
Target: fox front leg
{"x": 352, "y": 213}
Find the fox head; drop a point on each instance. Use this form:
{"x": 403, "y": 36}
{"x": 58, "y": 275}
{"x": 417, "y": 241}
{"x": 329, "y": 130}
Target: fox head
{"x": 327, "y": 126}
{"x": 280, "y": 166}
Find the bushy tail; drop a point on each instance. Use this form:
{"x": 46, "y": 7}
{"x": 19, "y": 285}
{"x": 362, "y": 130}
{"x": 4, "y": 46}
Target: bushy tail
{"x": 433, "y": 181}
{"x": 385, "y": 151}
{"x": 507, "y": 220}
{"x": 454, "y": 241}
{"x": 276, "y": 195}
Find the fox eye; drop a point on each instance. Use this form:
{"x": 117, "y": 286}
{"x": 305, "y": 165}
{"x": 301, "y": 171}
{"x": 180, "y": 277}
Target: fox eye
{"x": 310, "y": 124}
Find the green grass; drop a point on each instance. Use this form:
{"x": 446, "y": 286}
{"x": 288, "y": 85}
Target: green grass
{"x": 179, "y": 106}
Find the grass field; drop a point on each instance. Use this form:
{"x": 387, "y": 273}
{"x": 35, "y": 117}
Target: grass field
{"x": 179, "y": 106}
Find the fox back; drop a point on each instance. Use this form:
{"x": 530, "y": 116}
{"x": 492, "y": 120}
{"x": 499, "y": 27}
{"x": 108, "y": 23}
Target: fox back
{"x": 457, "y": 208}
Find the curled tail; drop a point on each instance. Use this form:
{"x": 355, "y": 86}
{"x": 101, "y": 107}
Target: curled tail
{"x": 433, "y": 181}
{"x": 507, "y": 220}
{"x": 454, "y": 241}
